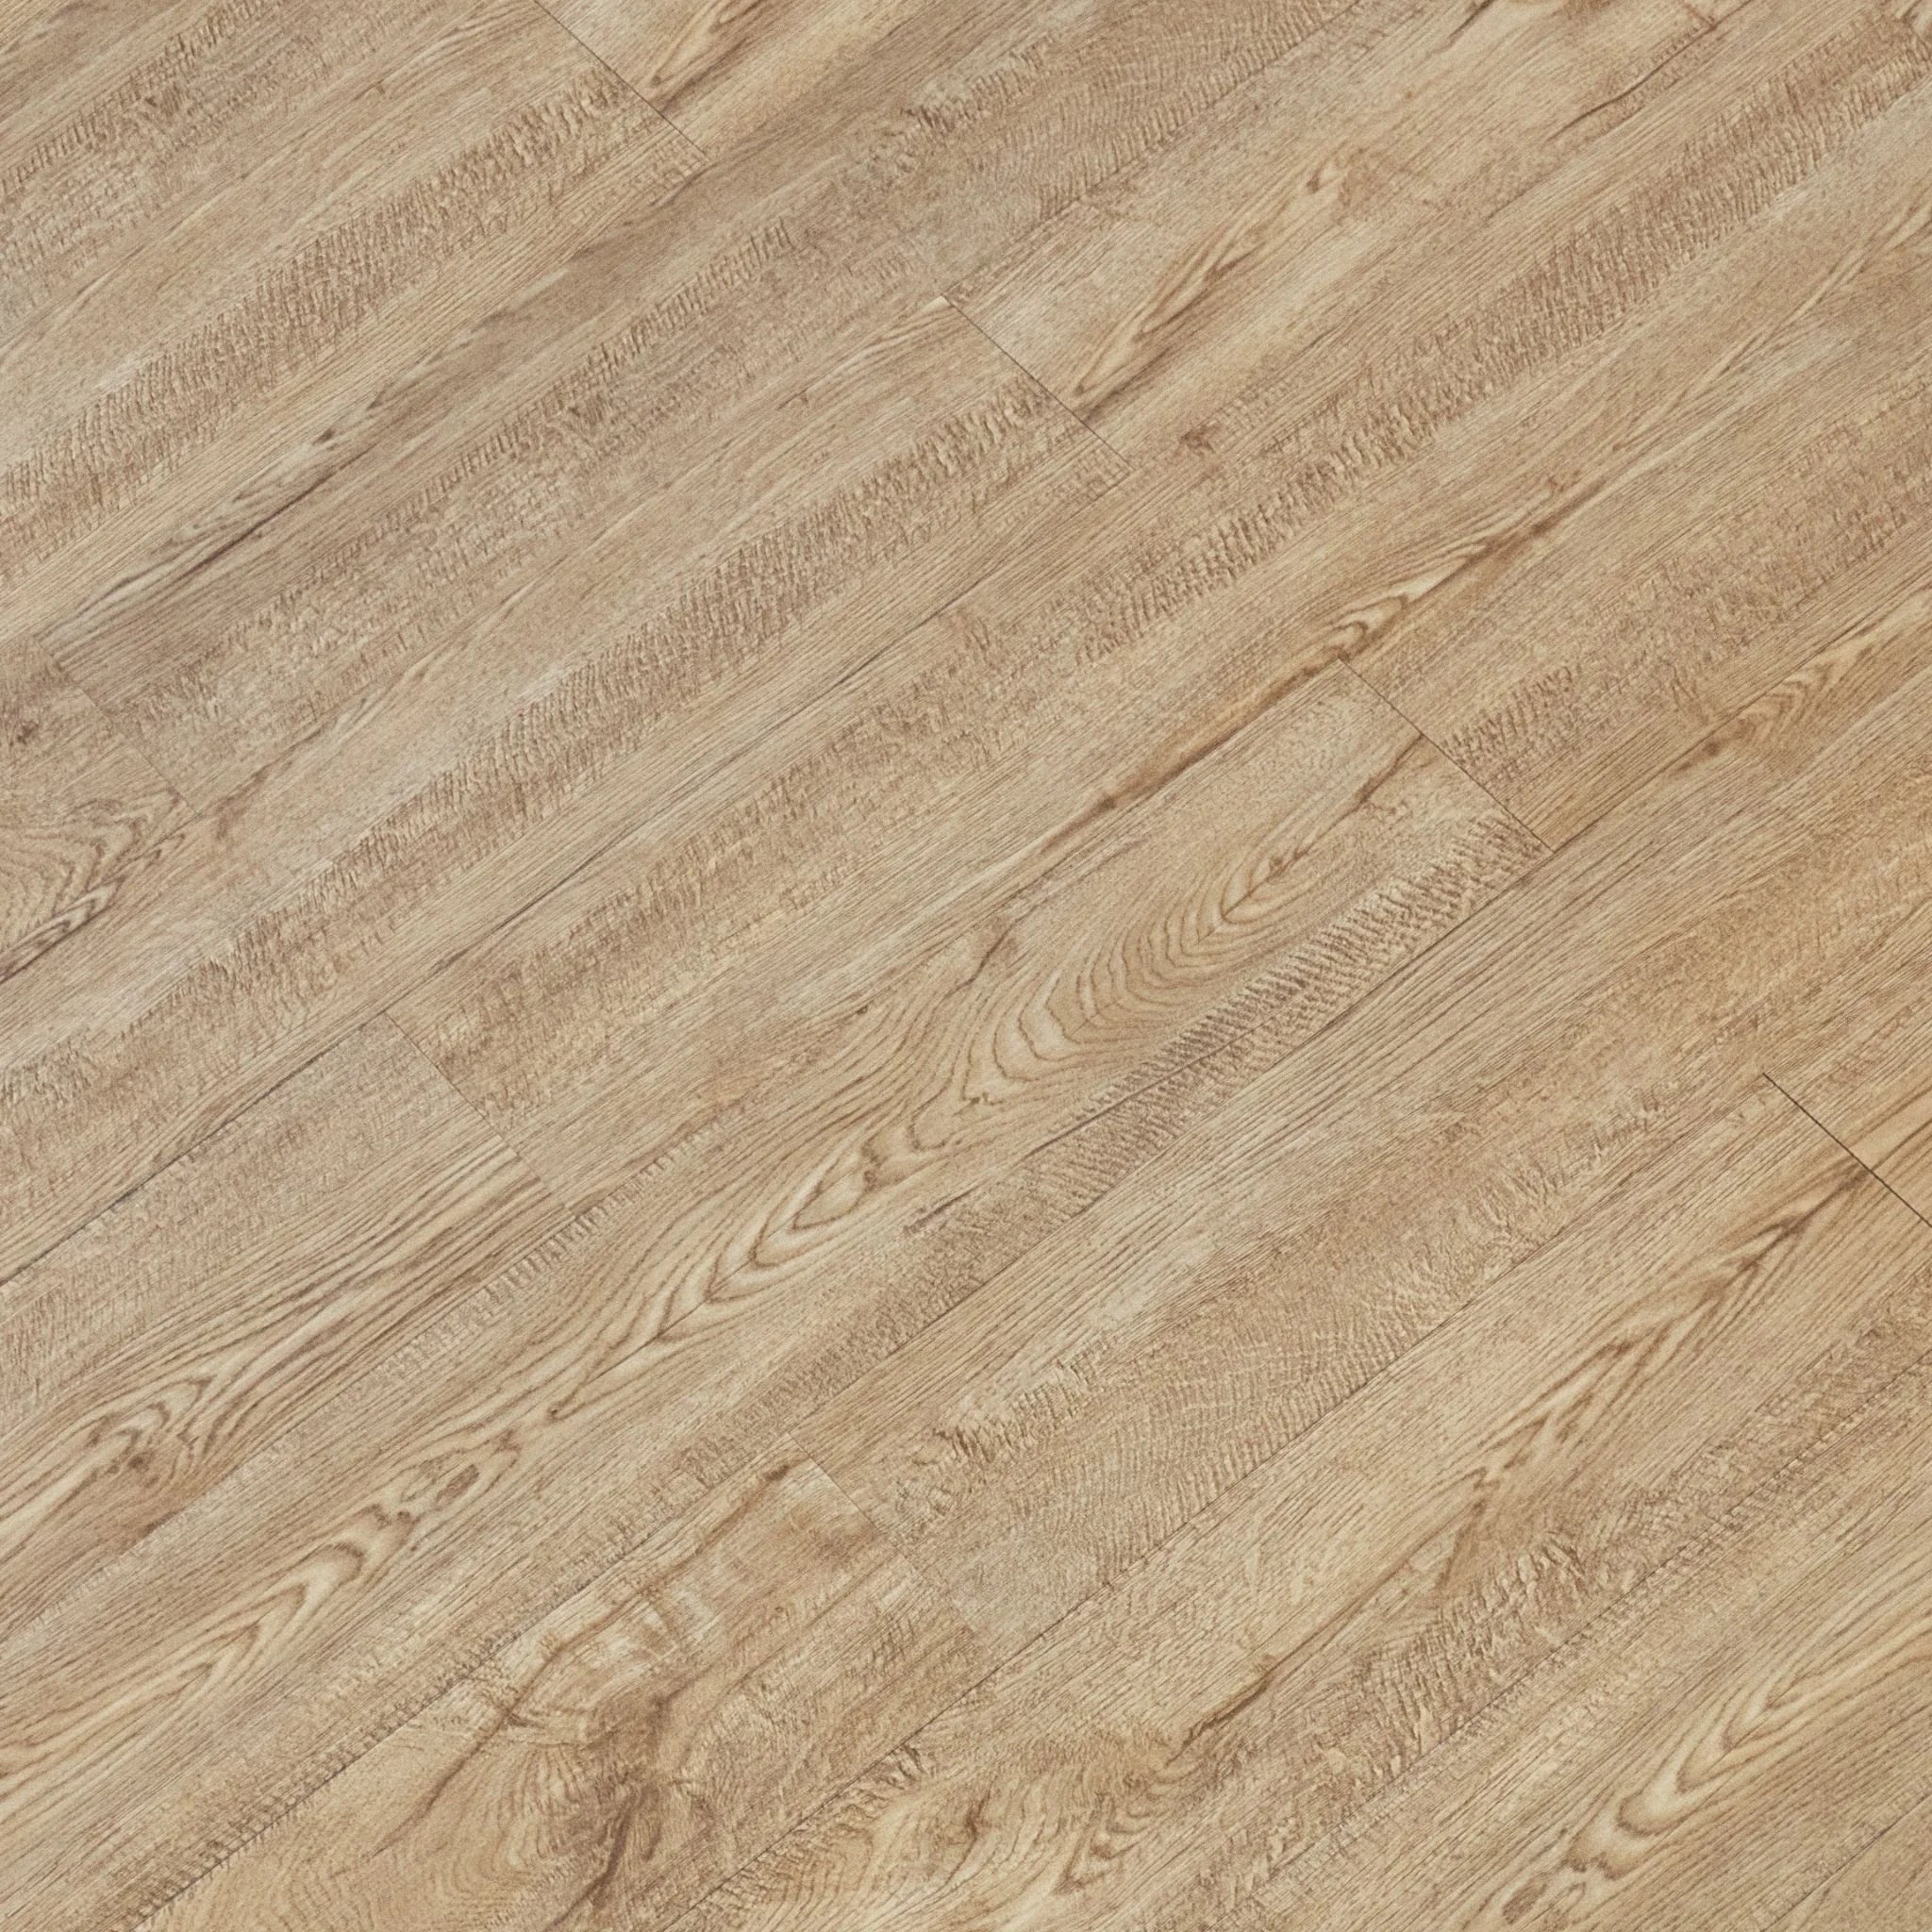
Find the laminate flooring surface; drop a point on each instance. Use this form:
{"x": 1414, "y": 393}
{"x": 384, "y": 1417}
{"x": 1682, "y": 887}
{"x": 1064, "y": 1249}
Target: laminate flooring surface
{"x": 966, "y": 966}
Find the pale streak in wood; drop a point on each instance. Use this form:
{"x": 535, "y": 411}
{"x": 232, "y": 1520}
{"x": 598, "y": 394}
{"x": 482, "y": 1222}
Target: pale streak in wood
{"x": 1145, "y": 1311}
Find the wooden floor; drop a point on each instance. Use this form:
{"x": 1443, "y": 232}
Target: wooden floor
{"x": 965, "y": 964}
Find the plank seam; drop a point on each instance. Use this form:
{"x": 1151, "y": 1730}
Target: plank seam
{"x": 1382, "y": 697}
{"x": 1850, "y": 1153}
{"x": 129, "y": 740}
{"x": 1790, "y": 1917}
{"x": 703, "y": 152}
{"x": 804, "y": 1454}
{"x": 491, "y": 1131}
{"x": 1045, "y": 388}
{"x": 331, "y": 1040}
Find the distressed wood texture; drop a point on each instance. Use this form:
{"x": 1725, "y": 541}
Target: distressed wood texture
{"x": 965, "y": 965}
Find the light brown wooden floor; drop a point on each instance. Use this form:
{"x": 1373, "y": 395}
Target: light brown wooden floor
{"x": 964, "y": 964}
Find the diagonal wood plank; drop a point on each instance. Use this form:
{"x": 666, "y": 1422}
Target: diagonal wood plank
{"x": 1884, "y": 1886}
{"x": 514, "y": 1388}
{"x": 1645, "y": 368}
{"x": 673, "y": 1715}
{"x": 730, "y": 1287}
{"x": 1870, "y": 1082}
{"x": 222, "y": 297}
{"x": 85, "y": 821}
{"x": 1750, "y": 1713}
{"x": 391, "y": 841}
{"x": 1182, "y": 1329}
{"x": 1305, "y": 1648}
{"x": 596, "y": 1051}
{"x": 689, "y": 305}
{"x": 1288, "y": 213}
{"x": 161, "y": 1346}
{"x": 963, "y": 966}
{"x": 723, "y": 70}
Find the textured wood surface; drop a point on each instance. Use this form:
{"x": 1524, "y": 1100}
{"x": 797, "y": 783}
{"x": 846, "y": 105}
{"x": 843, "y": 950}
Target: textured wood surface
{"x": 965, "y": 965}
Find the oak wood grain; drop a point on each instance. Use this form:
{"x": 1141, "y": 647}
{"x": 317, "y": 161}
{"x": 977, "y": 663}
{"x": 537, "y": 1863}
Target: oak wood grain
{"x": 620, "y": 1758}
{"x": 419, "y": 807}
{"x": 1714, "y": 1786}
{"x": 244, "y": 218}
{"x": 85, "y": 820}
{"x": 671, "y": 1328}
{"x": 199, "y": 1318}
{"x": 965, "y": 965}
{"x": 1182, "y": 1329}
{"x": 1885, "y": 1885}
{"x": 723, "y": 70}
{"x": 1363, "y": 1614}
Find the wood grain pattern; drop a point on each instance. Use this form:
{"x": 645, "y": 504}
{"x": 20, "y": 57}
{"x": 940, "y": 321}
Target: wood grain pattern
{"x": 333, "y": 224}
{"x": 1126, "y": 1340}
{"x": 281, "y": 1258}
{"x": 721, "y": 69}
{"x": 1886, "y": 1885}
{"x": 965, "y": 966}
{"x": 1705, "y": 1789}
{"x": 671, "y": 1326}
{"x": 666, "y": 1721}
{"x": 1871, "y": 1083}
{"x": 1310, "y": 1619}
{"x": 419, "y": 807}
{"x": 83, "y": 818}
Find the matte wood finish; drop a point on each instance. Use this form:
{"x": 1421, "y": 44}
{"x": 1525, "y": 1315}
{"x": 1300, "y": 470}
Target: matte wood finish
{"x": 965, "y": 965}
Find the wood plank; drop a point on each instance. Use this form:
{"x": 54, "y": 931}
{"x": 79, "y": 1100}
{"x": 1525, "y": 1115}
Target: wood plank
{"x": 1181, "y": 1330}
{"x": 363, "y": 245}
{"x": 1885, "y": 1886}
{"x": 1870, "y": 1082}
{"x": 1281, "y": 215}
{"x": 85, "y": 820}
{"x": 656, "y": 332}
{"x": 514, "y": 1388}
{"x": 1751, "y": 1713}
{"x": 671, "y": 980}
{"x": 447, "y": 1503}
{"x": 200, "y": 1319}
{"x": 965, "y": 966}
{"x": 666, "y": 1335}
{"x": 1640, "y": 376}
{"x": 616, "y": 1760}
{"x": 1768, "y": 376}
{"x": 1574, "y": 250}
{"x": 1878, "y": 1096}
{"x": 770, "y": 510}
{"x": 388, "y": 844}
{"x": 721, "y": 69}
{"x": 1305, "y": 1649}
